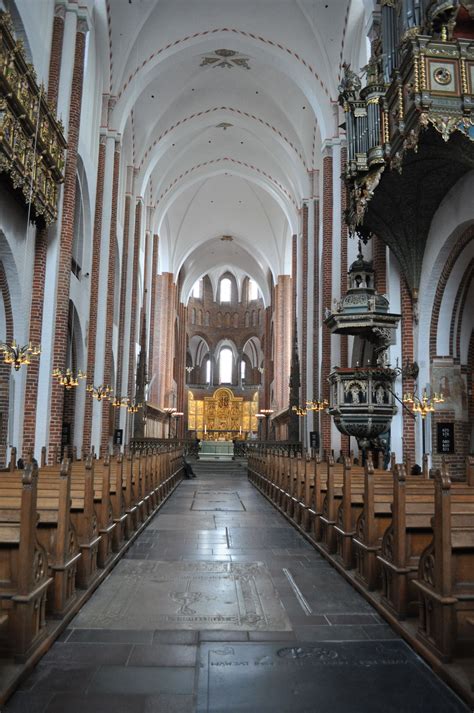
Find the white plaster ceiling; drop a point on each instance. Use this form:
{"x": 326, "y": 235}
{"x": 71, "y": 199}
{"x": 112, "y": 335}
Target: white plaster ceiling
{"x": 258, "y": 170}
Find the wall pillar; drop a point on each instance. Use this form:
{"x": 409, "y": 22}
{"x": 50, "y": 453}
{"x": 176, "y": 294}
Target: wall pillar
{"x": 60, "y": 341}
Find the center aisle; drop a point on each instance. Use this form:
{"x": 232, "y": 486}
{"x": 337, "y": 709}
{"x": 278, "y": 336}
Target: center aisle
{"x": 221, "y": 606}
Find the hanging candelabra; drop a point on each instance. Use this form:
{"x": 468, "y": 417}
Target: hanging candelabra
{"x": 99, "y": 392}
{"x": 68, "y": 379}
{"x": 300, "y": 411}
{"x": 18, "y": 356}
{"x": 316, "y": 405}
{"x": 424, "y": 405}
{"x": 133, "y": 406}
{"x": 119, "y": 401}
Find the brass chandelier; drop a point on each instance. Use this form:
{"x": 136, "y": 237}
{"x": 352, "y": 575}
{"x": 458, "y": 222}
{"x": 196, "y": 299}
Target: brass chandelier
{"x": 18, "y": 356}
{"x": 102, "y": 392}
{"x": 68, "y": 379}
{"x": 424, "y": 405}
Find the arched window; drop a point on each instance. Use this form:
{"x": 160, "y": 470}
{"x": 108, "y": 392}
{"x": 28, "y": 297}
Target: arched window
{"x": 193, "y": 316}
{"x": 242, "y": 369}
{"x": 225, "y": 366}
{"x": 208, "y": 371}
{"x": 197, "y": 290}
{"x": 207, "y": 319}
{"x": 253, "y": 290}
{"x": 225, "y": 294}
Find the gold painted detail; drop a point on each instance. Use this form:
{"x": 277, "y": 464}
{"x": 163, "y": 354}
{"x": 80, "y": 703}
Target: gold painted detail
{"x": 222, "y": 416}
{"x": 32, "y": 143}
{"x": 442, "y": 75}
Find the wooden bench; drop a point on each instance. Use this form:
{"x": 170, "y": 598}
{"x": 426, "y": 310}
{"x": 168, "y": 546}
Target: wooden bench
{"x": 24, "y": 571}
{"x": 445, "y": 580}
{"x": 83, "y": 516}
{"x": 55, "y": 533}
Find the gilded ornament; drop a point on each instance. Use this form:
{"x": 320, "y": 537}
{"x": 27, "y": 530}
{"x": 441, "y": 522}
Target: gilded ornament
{"x": 442, "y": 76}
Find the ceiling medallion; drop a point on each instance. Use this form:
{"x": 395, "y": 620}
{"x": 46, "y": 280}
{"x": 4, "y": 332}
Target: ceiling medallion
{"x": 224, "y": 125}
{"x": 227, "y": 237}
{"x": 226, "y": 59}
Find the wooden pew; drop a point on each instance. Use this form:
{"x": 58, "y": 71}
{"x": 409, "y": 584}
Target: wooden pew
{"x": 445, "y": 580}
{"x": 83, "y": 517}
{"x": 23, "y": 571}
{"x": 55, "y": 533}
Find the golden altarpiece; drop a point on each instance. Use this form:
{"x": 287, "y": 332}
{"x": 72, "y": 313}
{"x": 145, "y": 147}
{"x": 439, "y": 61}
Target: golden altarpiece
{"x": 222, "y": 416}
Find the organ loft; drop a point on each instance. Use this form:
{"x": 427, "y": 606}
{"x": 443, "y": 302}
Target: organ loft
{"x": 237, "y": 356}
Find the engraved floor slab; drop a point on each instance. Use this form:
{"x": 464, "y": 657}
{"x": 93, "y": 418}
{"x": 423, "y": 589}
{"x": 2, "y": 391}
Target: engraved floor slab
{"x": 186, "y": 595}
{"x": 217, "y": 500}
{"x": 349, "y": 677}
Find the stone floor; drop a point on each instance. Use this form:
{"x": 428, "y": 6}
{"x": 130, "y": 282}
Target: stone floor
{"x": 221, "y": 606}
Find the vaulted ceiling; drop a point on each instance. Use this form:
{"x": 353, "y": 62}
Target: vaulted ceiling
{"x": 223, "y": 106}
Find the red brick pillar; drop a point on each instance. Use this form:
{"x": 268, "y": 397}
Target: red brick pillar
{"x": 304, "y": 309}
{"x": 153, "y": 298}
{"x": 344, "y": 358}
{"x": 379, "y": 257}
{"x": 129, "y": 216}
{"x": 316, "y": 301}
{"x": 94, "y": 291}
{"x": 36, "y": 323}
{"x": 283, "y": 331}
{"x": 41, "y": 246}
{"x": 407, "y": 353}
{"x": 267, "y": 361}
{"x": 56, "y": 56}
{"x": 109, "y": 320}
{"x": 5, "y": 369}
{"x": 326, "y": 303}
{"x": 134, "y": 300}
{"x": 181, "y": 367}
{"x": 65, "y": 246}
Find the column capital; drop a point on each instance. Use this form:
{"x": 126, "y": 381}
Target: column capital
{"x": 84, "y": 22}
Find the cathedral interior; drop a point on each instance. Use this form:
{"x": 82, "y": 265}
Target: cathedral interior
{"x": 237, "y": 356}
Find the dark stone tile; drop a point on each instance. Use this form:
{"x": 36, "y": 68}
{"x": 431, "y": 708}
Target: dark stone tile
{"x": 145, "y": 680}
{"x": 105, "y": 703}
{"x": 163, "y": 655}
{"x": 222, "y": 635}
{"x": 69, "y": 676}
{"x": 94, "y": 654}
{"x": 272, "y": 635}
{"x": 350, "y": 619}
{"x": 169, "y": 704}
{"x": 175, "y": 637}
{"x": 350, "y": 677}
{"x": 380, "y": 631}
{"x": 24, "y": 702}
{"x": 111, "y": 636}
{"x": 329, "y": 633}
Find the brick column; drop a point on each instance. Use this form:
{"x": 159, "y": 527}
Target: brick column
{"x": 316, "y": 308}
{"x": 94, "y": 291}
{"x": 407, "y": 353}
{"x": 129, "y": 217}
{"x": 153, "y": 297}
{"x": 344, "y": 357}
{"x": 181, "y": 367}
{"x": 283, "y": 331}
{"x": 326, "y": 301}
{"x": 56, "y": 55}
{"x": 379, "y": 256}
{"x": 36, "y": 323}
{"x": 109, "y": 316}
{"x": 134, "y": 299}
{"x": 66, "y": 239}
{"x": 304, "y": 309}
{"x": 41, "y": 248}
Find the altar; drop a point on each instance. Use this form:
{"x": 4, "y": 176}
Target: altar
{"x": 216, "y": 450}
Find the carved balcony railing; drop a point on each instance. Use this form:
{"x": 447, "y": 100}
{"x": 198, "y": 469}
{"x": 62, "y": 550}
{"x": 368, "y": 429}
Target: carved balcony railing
{"x": 32, "y": 143}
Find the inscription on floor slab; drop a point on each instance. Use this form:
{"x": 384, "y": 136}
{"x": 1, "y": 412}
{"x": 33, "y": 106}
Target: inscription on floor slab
{"x": 348, "y": 677}
{"x": 186, "y": 595}
{"x": 217, "y": 500}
